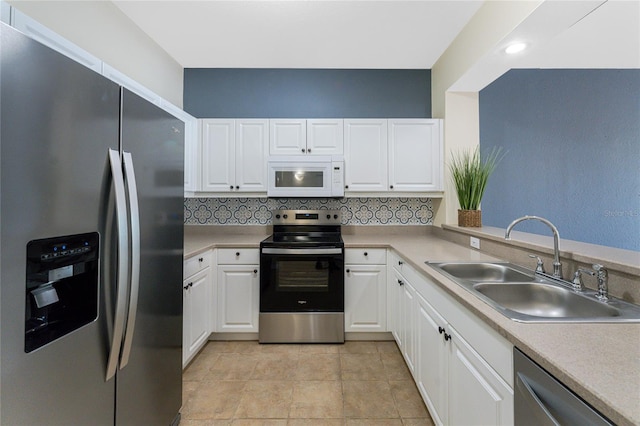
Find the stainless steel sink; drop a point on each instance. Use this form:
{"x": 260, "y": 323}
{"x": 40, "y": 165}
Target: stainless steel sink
{"x": 544, "y": 300}
{"x": 524, "y": 296}
{"x": 485, "y": 271}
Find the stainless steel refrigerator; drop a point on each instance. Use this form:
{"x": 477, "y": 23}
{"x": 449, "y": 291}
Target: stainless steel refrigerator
{"x": 91, "y": 229}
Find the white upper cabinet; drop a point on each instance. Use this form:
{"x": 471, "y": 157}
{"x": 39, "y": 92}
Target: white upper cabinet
{"x": 251, "y": 155}
{"x": 218, "y": 155}
{"x": 287, "y": 137}
{"x": 306, "y": 137}
{"x": 415, "y": 155}
{"x": 234, "y": 155}
{"x": 365, "y": 155}
{"x": 325, "y": 136}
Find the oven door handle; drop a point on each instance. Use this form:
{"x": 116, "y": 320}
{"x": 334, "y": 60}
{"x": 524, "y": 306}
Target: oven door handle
{"x": 269, "y": 250}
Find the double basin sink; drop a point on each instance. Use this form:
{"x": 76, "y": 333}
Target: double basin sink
{"x": 524, "y": 296}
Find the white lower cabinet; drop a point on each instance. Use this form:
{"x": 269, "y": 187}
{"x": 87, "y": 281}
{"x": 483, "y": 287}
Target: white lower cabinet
{"x": 196, "y": 300}
{"x": 477, "y": 394}
{"x": 462, "y": 368}
{"x": 238, "y": 291}
{"x": 365, "y": 290}
{"x": 404, "y": 300}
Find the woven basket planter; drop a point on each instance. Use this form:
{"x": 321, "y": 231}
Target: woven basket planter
{"x": 470, "y": 218}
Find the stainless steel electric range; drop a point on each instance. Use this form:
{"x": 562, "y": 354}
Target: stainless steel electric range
{"x": 302, "y": 278}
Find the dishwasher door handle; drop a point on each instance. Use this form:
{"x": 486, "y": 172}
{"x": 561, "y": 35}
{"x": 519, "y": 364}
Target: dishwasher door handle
{"x": 543, "y": 415}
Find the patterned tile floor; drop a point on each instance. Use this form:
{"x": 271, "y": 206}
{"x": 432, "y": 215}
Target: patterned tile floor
{"x": 245, "y": 383}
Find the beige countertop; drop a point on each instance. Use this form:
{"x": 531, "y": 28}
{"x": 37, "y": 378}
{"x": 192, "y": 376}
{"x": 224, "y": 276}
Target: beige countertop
{"x": 600, "y": 362}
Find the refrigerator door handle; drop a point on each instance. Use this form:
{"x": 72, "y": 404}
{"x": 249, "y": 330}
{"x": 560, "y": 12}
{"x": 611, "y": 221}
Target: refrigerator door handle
{"x": 134, "y": 215}
{"x": 123, "y": 260}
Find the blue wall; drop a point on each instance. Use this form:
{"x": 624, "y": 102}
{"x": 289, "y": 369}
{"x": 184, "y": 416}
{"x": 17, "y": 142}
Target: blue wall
{"x": 573, "y": 141}
{"x": 307, "y": 93}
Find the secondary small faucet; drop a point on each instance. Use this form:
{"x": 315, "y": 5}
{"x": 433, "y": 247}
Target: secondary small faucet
{"x": 603, "y": 285}
{"x": 557, "y": 266}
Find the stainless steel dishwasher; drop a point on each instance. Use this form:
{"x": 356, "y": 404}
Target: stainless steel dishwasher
{"x": 540, "y": 399}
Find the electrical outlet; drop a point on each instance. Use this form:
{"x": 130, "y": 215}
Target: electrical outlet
{"x": 474, "y": 242}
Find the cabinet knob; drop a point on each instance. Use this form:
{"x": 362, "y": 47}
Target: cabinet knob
{"x": 201, "y": 259}
{"x": 237, "y": 187}
{"x": 400, "y": 282}
{"x": 400, "y": 262}
{"x": 391, "y": 186}
{"x": 440, "y": 330}
{"x": 447, "y": 337}
{"x": 346, "y": 187}
{"x": 303, "y": 150}
{"x": 255, "y": 271}
{"x": 230, "y": 186}
{"x": 186, "y": 287}
{"x": 366, "y": 254}
{"x": 237, "y": 253}
{"x": 309, "y": 150}
{"x": 348, "y": 270}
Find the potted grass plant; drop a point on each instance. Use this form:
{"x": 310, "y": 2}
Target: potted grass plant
{"x": 470, "y": 173}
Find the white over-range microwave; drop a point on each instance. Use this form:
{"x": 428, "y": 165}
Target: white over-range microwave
{"x": 306, "y": 176}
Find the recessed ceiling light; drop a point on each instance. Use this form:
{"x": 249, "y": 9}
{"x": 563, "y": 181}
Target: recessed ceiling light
{"x": 515, "y": 48}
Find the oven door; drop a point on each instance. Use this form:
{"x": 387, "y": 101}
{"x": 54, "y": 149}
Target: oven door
{"x": 302, "y": 279}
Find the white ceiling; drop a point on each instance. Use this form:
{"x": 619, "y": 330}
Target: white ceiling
{"x": 362, "y": 33}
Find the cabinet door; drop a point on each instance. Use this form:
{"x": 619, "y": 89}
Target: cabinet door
{"x": 365, "y": 298}
{"x": 477, "y": 394}
{"x": 196, "y": 318}
{"x": 218, "y": 155}
{"x": 199, "y": 295}
{"x": 238, "y": 298}
{"x": 365, "y": 152}
{"x": 252, "y": 149}
{"x": 287, "y": 137}
{"x": 394, "y": 317}
{"x": 325, "y": 137}
{"x": 415, "y": 155}
{"x": 431, "y": 374}
{"x": 408, "y": 315}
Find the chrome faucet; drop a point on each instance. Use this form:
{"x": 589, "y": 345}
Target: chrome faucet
{"x": 557, "y": 266}
{"x": 603, "y": 285}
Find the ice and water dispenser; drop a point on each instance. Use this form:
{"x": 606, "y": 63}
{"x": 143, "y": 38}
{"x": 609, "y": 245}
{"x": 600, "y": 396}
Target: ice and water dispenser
{"x": 61, "y": 287}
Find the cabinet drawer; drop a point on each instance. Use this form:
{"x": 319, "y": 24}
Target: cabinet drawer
{"x": 365, "y": 256}
{"x": 397, "y": 262}
{"x": 196, "y": 264}
{"x": 238, "y": 256}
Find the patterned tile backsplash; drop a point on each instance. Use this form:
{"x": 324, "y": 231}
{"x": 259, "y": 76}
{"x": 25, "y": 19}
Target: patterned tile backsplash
{"x": 355, "y": 211}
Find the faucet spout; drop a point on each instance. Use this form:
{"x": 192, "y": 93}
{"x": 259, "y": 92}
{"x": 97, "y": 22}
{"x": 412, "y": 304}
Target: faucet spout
{"x": 557, "y": 266}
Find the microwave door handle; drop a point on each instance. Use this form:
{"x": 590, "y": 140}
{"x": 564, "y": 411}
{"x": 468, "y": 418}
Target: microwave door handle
{"x": 542, "y": 414}
{"x": 270, "y": 250}
{"x": 134, "y": 212}
{"x": 122, "y": 263}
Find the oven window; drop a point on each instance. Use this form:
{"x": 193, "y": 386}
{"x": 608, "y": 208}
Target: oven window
{"x": 303, "y": 275}
{"x": 299, "y": 179}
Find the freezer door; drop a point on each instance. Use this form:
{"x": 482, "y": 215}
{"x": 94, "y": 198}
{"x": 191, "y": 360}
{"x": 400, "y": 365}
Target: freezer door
{"x": 58, "y": 120}
{"x": 149, "y": 386}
